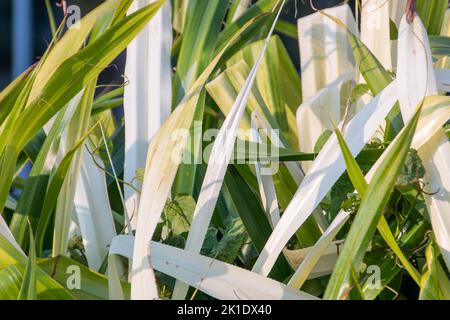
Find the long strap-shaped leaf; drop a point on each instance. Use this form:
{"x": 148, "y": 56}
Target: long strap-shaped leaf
{"x": 36, "y": 184}
{"x": 375, "y": 33}
{"x": 270, "y": 204}
{"x": 444, "y": 62}
{"x": 147, "y": 96}
{"x": 265, "y": 181}
{"x": 70, "y": 43}
{"x": 85, "y": 192}
{"x": 397, "y": 10}
{"x": 294, "y": 168}
{"x": 65, "y": 208}
{"x": 224, "y": 90}
{"x": 435, "y": 113}
{"x": 318, "y": 113}
{"x": 12, "y": 268}
{"x": 237, "y": 9}
{"x": 416, "y": 79}
{"x": 29, "y": 283}
{"x": 370, "y": 211}
{"x": 91, "y": 201}
{"x": 324, "y": 51}
{"x": 221, "y": 154}
{"x": 361, "y": 186}
{"x": 68, "y": 80}
{"x": 217, "y": 279}
{"x": 6, "y": 233}
{"x": 326, "y": 170}
{"x": 317, "y": 251}
{"x": 93, "y": 210}
{"x": 54, "y": 188}
{"x": 165, "y": 153}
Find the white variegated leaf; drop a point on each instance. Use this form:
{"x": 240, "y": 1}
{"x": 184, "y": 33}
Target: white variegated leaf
{"x": 213, "y": 277}
{"x": 326, "y": 169}
{"x": 416, "y": 79}
{"x": 325, "y": 53}
{"x": 375, "y": 29}
{"x": 147, "y": 97}
{"x": 320, "y": 112}
{"x": 220, "y": 157}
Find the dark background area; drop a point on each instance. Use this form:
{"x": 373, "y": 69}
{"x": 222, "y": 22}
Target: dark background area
{"x": 41, "y": 34}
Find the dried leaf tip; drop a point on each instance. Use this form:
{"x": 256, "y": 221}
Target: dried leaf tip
{"x": 410, "y": 11}
{"x": 63, "y": 4}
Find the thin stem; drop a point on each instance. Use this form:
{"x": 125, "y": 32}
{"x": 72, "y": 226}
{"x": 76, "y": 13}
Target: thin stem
{"x": 51, "y": 17}
{"x": 127, "y": 217}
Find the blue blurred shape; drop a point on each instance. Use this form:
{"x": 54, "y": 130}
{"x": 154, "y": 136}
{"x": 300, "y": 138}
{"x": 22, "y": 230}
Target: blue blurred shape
{"x": 22, "y": 38}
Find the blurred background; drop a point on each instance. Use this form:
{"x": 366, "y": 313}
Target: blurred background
{"x": 25, "y": 33}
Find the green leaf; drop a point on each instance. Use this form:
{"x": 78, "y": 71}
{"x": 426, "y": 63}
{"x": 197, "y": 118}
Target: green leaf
{"x": 432, "y": 13}
{"x": 93, "y": 285}
{"x": 440, "y": 46}
{"x": 262, "y": 7}
{"x": 370, "y": 211}
{"x": 69, "y": 79}
{"x": 202, "y": 26}
{"x": 287, "y": 28}
{"x": 355, "y": 173}
{"x": 121, "y": 10}
{"x": 360, "y": 184}
{"x": 192, "y": 154}
{"x": 251, "y": 151}
{"x": 68, "y": 45}
{"x": 107, "y": 101}
{"x": 179, "y": 15}
{"x": 12, "y": 270}
{"x": 198, "y": 44}
{"x": 393, "y": 30}
{"x": 267, "y": 79}
{"x": 237, "y": 8}
{"x": 28, "y": 289}
{"x": 412, "y": 170}
{"x": 54, "y": 188}
{"x": 76, "y": 130}
{"x": 178, "y": 213}
{"x": 10, "y": 94}
{"x": 323, "y": 138}
{"x": 227, "y": 248}
{"x": 253, "y": 217}
{"x": 277, "y": 82}
{"x": 354, "y": 281}
{"x": 376, "y": 77}
{"x": 29, "y": 207}
{"x": 358, "y": 91}
{"x": 434, "y": 284}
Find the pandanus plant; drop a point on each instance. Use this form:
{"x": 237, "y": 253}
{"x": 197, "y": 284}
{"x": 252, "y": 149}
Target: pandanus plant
{"x": 232, "y": 174}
